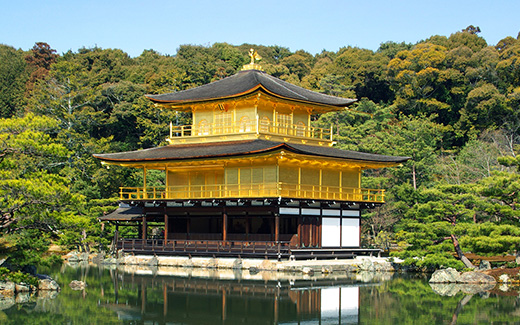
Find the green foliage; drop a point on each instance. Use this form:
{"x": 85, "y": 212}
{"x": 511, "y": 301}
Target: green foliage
{"x": 450, "y": 103}
{"x": 18, "y": 277}
{"x": 13, "y": 77}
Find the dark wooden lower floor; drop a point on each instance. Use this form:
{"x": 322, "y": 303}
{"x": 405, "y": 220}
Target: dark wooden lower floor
{"x": 240, "y": 249}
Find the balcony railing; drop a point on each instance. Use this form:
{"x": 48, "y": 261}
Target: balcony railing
{"x": 261, "y": 190}
{"x": 254, "y": 126}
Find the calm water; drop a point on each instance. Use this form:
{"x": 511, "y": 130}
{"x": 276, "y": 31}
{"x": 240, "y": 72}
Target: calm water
{"x": 194, "y": 296}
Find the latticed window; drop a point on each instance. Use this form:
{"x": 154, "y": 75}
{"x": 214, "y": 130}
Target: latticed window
{"x": 284, "y": 119}
{"x": 300, "y": 129}
{"x": 244, "y": 125}
{"x": 203, "y": 128}
{"x": 223, "y": 122}
{"x": 265, "y": 124}
{"x": 284, "y": 123}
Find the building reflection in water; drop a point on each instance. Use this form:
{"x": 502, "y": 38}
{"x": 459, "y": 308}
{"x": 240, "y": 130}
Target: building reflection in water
{"x": 242, "y": 299}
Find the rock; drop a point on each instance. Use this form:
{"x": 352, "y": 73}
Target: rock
{"x": 237, "y": 264}
{"x": 504, "y": 287}
{"x": 484, "y": 265}
{"x": 21, "y": 287}
{"x": 6, "y": 303}
{"x": 43, "y": 276}
{"x": 188, "y": 263}
{"x": 109, "y": 260}
{"x": 326, "y": 270}
{"x": 308, "y": 271}
{"x": 383, "y": 267}
{"x": 484, "y": 295}
{"x": 22, "y": 297}
{"x": 73, "y": 259}
{"x": 83, "y": 256}
{"x": 48, "y": 285}
{"x": 4, "y": 263}
{"x": 98, "y": 258}
{"x": 351, "y": 268}
{"x": 445, "y": 289}
{"x": 504, "y": 278}
{"x": 31, "y": 269}
{"x": 472, "y": 289}
{"x": 7, "y": 288}
{"x": 476, "y": 277}
{"x": 153, "y": 261}
{"x": 448, "y": 275}
{"x": 77, "y": 285}
{"x": 268, "y": 265}
{"x": 46, "y": 294}
{"x": 367, "y": 265}
{"x": 212, "y": 263}
{"x": 365, "y": 276}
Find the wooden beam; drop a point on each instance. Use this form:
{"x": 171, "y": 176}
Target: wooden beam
{"x": 277, "y": 227}
{"x": 144, "y": 228}
{"x": 224, "y": 225}
{"x": 165, "y": 227}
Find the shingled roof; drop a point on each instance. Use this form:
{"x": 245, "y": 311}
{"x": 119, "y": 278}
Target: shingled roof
{"x": 240, "y": 148}
{"x": 247, "y": 82}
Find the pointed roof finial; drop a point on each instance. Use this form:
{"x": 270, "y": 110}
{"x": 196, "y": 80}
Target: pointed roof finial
{"x": 252, "y": 65}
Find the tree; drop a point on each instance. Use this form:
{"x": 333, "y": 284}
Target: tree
{"x": 13, "y": 77}
{"x": 39, "y": 61}
{"x": 32, "y": 195}
{"x": 485, "y": 107}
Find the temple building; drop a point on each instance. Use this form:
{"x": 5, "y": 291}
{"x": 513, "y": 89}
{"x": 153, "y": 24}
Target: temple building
{"x": 249, "y": 177}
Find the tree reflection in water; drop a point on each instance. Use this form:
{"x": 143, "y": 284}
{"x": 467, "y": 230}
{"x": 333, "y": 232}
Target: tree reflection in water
{"x": 196, "y": 296}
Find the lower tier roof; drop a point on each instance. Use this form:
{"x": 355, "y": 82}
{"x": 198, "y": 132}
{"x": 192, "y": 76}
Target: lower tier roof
{"x": 239, "y": 148}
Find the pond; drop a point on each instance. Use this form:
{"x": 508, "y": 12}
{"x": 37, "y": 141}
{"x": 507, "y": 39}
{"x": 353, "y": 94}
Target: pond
{"x": 196, "y": 296}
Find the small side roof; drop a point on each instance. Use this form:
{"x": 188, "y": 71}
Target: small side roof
{"x": 124, "y": 214}
{"x": 238, "y": 148}
{"x": 246, "y": 82}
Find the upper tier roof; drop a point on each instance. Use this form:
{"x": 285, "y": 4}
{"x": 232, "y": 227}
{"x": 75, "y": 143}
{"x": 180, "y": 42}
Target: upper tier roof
{"x": 239, "y": 148}
{"x": 247, "y": 82}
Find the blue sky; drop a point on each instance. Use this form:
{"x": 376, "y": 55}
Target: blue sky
{"x": 136, "y": 25}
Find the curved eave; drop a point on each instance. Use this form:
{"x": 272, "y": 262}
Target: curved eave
{"x": 165, "y": 159}
{"x": 179, "y": 104}
{"x": 232, "y": 150}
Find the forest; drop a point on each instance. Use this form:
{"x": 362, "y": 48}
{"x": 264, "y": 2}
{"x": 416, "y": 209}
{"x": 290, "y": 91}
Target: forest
{"x": 451, "y": 103}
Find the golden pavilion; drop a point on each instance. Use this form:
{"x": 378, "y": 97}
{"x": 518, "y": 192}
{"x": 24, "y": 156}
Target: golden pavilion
{"x": 249, "y": 177}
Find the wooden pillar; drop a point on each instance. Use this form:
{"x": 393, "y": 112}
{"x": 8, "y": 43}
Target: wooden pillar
{"x": 116, "y": 237}
{"x": 276, "y": 307}
{"x": 145, "y": 195}
{"x": 144, "y": 229}
{"x": 300, "y": 233}
{"x": 224, "y": 225}
{"x": 277, "y": 227}
{"x": 165, "y": 227}
{"x": 224, "y": 311}
{"x": 271, "y": 224}
{"x": 143, "y": 298}
{"x": 165, "y": 299}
